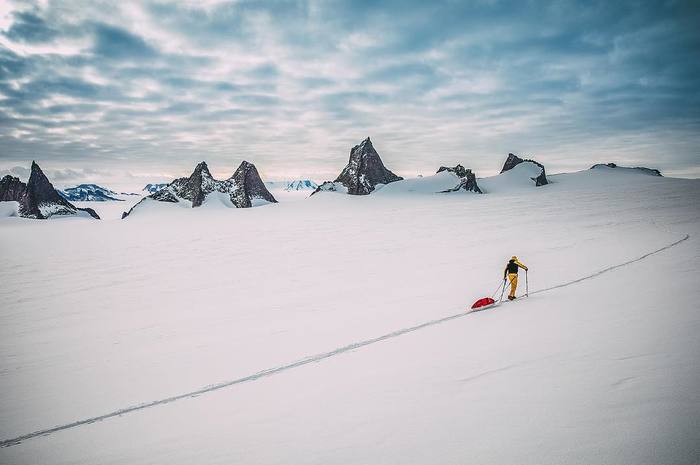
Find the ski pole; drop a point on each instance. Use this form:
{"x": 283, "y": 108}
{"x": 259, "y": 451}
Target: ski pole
{"x": 497, "y": 289}
{"x": 527, "y": 287}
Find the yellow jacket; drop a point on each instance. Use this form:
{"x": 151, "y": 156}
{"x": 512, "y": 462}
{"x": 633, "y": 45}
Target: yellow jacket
{"x": 512, "y": 267}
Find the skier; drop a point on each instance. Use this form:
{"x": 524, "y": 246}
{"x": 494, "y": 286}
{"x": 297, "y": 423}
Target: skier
{"x": 512, "y": 272}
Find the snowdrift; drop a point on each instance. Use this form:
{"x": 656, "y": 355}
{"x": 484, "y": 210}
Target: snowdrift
{"x": 522, "y": 176}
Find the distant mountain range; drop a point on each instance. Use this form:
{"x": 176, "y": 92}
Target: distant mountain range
{"x": 364, "y": 174}
{"x": 295, "y": 185}
{"x": 153, "y": 188}
{"x": 88, "y": 193}
{"x": 300, "y": 185}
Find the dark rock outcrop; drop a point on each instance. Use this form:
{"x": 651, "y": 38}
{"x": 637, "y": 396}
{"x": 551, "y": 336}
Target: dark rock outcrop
{"x": 195, "y": 187}
{"x": 513, "y": 161}
{"x": 364, "y": 170}
{"x": 327, "y": 186}
{"x": 90, "y": 212}
{"x": 11, "y": 189}
{"x": 164, "y": 195}
{"x": 40, "y": 200}
{"x": 467, "y": 179}
{"x": 459, "y": 170}
{"x": 649, "y": 171}
{"x": 243, "y": 187}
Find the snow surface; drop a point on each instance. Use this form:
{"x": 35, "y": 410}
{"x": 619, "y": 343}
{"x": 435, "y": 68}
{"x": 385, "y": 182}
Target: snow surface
{"x": 424, "y": 185}
{"x": 9, "y": 209}
{"x": 112, "y": 210}
{"x": 290, "y": 191}
{"x": 99, "y": 316}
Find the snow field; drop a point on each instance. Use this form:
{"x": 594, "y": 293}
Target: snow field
{"x": 103, "y": 315}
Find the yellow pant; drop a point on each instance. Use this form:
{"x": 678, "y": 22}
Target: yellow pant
{"x": 513, "y": 279}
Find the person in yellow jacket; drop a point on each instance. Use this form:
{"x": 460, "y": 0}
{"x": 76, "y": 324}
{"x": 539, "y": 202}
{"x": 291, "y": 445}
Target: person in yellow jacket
{"x": 512, "y": 272}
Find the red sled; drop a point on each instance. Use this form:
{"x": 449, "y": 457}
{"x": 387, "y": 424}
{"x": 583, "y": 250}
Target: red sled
{"x": 484, "y": 303}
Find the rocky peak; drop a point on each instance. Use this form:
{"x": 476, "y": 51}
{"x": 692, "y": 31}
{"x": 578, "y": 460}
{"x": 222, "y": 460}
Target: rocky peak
{"x": 195, "y": 187}
{"x": 11, "y": 189}
{"x": 365, "y": 170}
{"x": 40, "y": 200}
{"x": 38, "y": 180}
{"x": 202, "y": 170}
{"x": 40, "y": 193}
{"x": 513, "y": 160}
{"x": 247, "y": 185}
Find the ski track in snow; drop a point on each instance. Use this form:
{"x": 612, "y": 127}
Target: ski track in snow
{"x": 305, "y": 361}
{"x": 614, "y": 267}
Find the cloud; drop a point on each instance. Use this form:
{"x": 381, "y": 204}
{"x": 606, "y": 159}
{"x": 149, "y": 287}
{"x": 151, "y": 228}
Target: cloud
{"x": 116, "y": 43}
{"x": 292, "y": 85}
{"x": 12, "y": 65}
{"x": 17, "y": 171}
{"x": 28, "y": 27}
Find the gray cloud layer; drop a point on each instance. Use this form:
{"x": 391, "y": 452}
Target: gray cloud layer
{"x": 292, "y": 85}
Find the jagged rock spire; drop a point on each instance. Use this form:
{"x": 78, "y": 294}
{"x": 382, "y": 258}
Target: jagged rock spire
{"x": 365, "y": 170}
{"x": 193, "y": 188}
{"x": 247, "y": 185}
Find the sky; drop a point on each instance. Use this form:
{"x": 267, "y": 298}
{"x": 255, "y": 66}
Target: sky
{"x": 134, "y": 92}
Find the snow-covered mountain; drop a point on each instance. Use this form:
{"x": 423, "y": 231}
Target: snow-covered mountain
{"x": 517, "y": 174}
{"x": 153, "y": 188}
{"x": 243, "y": 189}
{"x": 641, "y": 169}
{"x": 539, "y": 176}
{"x": 300, "y": 185}
{"x": 291, "y": 185}
{"x": 363, "y": 173}
{"x": 38, "y": 199}
{"x": 88, "y": 193}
